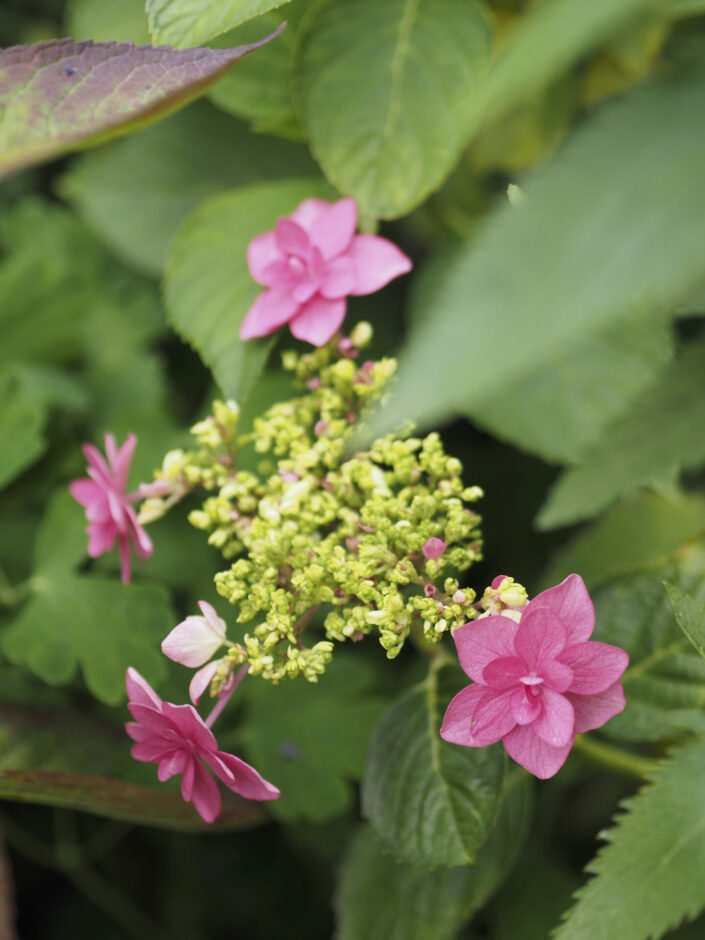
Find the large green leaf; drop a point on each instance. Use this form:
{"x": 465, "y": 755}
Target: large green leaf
{"x": 135, "y": 193}
{"x": 208, "y": 287}
{"x": 121, "y": 20}
{"x": 549, "y": 38}
{"x": 21, "y": 427}
{"x": 99, "y": 623}
{"x": 261, "y": 91}
{"x": 560, "y": 409}
{"x": 584, "y": 251}
{"x": 646, "y": 528}
{"x": 62, "y": 95}
{"x": 115, "y": 799}
{"x": 690, "y": 617}
{"x": 663, "y": 434}
{"x": 432, "y": 803}
{"x": 312, "y": 739}
{"x": 381, "y": 899}
{"x": 665, "y": 682}
{"x": 648, "y": 878}
{"x": 184, "y": 23}
{"x": 388, "y": 133}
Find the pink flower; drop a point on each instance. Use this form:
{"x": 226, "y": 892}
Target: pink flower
{"x": 536, "y": 683}
{"x": 309, "y": 264}
{"x": 108, "y": 508}
{"x": 433, "y": 548}
{"x": 196, "y": 639}
{"x": 177, "y": 738}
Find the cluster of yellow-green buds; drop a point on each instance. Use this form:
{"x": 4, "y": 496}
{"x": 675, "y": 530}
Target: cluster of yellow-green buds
{"x": 368, "y": 542}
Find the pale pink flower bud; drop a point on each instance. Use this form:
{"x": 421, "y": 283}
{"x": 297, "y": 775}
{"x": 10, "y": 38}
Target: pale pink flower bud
{"x": 433, "y": 548}
{"x": 196, "y": 639}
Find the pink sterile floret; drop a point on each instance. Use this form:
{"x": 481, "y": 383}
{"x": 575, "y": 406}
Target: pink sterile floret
{"x": 433, "y": 548}
{"x": 309, "y": 264}
{"x": 177, "y": 738}
{"x": 536, "y": 683}
{"x": 196, "y": 639}
{"x": 107, "y": 505}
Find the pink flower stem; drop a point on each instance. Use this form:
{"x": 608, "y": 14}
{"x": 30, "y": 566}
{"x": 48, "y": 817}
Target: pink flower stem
{"x": 223, "y": 700}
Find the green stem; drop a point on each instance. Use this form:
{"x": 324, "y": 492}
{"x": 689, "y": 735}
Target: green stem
{"x": 433, "y": 651}
{"x": 614, "y": 758}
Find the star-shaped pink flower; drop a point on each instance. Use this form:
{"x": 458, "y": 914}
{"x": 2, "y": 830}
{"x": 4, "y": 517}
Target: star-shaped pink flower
{"x": 177, "y": 738}
{"x": 536, "y": 683}
{"x": 309, "y": 264}
{"x": 108, "y": 510}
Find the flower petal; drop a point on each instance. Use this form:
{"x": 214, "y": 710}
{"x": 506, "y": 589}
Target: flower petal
{"x": 457, "y": 720}
{"x": 334, "y": 229}
{"x": 241, "y": 777}
{"x": 526, "y": 707}
{"x": 480, "y": 642}
{"x": 318, "y": 320}
{"x": 85, "y": 491}
{"x": 272, "y": 309}
{"x": 261, "y": 252}
{"x": 338, "y": 278}
{"x": 556, "y": 675}
{"x": 556, "y": 723}
{"x": 189, "y": 725}
{"x": 540, "y": 637}
{"x": 121, "y": 459}
{"x": 125, "y": 560}
{"x": 596, "y": 666}
{"x": 503, "y": 673}
{"x": 593, "y": 711}
{"x": 571, "y": 602}
{"x": 307, "y": 214}
{"x": 201, "y": 680}
{"x": 377, "y": 261}
{"x": 291, "y": 239}
{"x": 205, "y": 794}
{"x": 194, "y": 641}
{"x": 493, "y": 717}
{"x": 139, "y": 691}
{"x": 539, "y": 758}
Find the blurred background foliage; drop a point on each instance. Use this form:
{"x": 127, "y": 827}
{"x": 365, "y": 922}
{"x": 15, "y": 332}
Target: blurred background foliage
{"x": 557, "y": 340}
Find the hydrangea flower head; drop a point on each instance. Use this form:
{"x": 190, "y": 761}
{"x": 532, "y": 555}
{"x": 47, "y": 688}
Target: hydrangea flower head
{"x": 310, "y": 264}
{"x": 177, "y": 738}
{"x": 538, "y": 682}
{"x": 108, "y": 510}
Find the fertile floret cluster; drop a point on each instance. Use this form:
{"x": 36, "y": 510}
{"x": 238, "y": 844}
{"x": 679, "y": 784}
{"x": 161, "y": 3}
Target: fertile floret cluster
{"x": 368, "y": 542}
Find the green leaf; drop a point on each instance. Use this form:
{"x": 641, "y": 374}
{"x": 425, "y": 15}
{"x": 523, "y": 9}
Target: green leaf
{"x": 261, "y": 90}
{"x": 135, "y": 193}
{"x": 580, "y": 254}
{"x": 389, "y": 133}
{"x": 550, "y": 38}
{"x": 432, "y": 803}
{"x": 644, "y": 528}
{"x": 70, "y": 620}
{"x": 690, "y": 617}
{"x": 21, "y": 427}
{"x": 663, "y": 433}
{"x": 184, "y": 23}
{"x": 557, "y": 411}
{"x": 62, "y": 95}
{"x": 51, "y": 271}
{"x": 312, "y": 739}
{"x": 665, "y": 682}
{"x": 114, "y": 799}
{"x": 649, "y": 876}
{"x": 120, "y": 20}
{"x": 381, "y": 899}
{"x": 208, "y": 287}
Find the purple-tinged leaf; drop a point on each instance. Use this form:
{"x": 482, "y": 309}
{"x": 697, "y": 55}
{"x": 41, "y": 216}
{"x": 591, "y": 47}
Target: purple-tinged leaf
{"x": 115, "y": 799}
{"x": 7, "y": 904}
{"x": 64, "y": 95}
